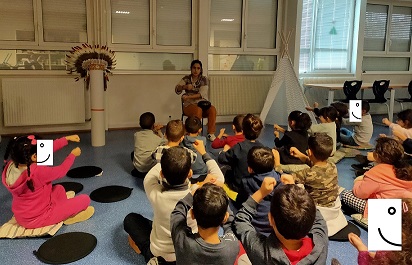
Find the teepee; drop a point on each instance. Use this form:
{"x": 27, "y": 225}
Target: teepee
{"x": 285, "y": 94}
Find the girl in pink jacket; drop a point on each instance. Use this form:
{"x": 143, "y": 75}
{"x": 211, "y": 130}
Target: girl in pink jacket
{"x": 36, "y": 203}
{"x": 391, "y": 178}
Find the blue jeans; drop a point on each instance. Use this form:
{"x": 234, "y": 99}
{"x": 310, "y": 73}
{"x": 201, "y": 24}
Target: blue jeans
{"x": 346, "y": 137}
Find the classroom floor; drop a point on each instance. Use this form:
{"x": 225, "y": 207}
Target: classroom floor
{"x": 107, "y": 222}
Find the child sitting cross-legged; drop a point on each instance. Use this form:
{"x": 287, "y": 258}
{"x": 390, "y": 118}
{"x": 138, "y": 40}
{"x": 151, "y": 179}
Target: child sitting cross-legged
{"x": 193, "y": 127}
{"x": 299, "y": 233}
{"x": 299, "y": 122}
{"x": 175, "y": 132}
{"x": 223, "y": 139}
{"x": 260, "y": 162}
{"x": 362, "y": 131}
{"x": 145, "y": 142}
{"x": 209, "y": 207}
{"x": 36, "y": 202}
{"x": 327, "y": 117}
{"x": 165, "y": 184}
{"x": 236, "y": 156}
{"x": 320, "y": 180}
{"x": 391, "y": 178}
{"x": 403, "y": 123}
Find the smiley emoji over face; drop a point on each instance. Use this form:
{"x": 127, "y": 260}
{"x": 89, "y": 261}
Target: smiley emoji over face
{"x": 384, "y": 224}
{"x": 45, "y": 152}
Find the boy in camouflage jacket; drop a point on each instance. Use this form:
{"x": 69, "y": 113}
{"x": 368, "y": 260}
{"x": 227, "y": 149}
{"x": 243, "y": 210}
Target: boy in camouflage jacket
{"x": 321, "y": 179}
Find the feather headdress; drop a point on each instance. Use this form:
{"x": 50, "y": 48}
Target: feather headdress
{"x": 81, "y": 57}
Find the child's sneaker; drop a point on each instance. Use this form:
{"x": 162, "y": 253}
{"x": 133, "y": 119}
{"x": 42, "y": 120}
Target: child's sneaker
{"x": 80, "y": 217}
{"x": 211, "y": 137}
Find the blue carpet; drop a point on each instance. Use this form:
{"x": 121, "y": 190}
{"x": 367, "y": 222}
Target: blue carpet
{"x": 107, "y": 222}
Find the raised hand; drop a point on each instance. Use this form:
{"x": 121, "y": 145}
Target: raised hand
{"x": 200, "y": 147}
{"x": 287, "y": 179}
{"x": 157, "y": 126}
{"x": 386, "y": 121}
{"x": 267, "y": 186}
{"x": 295, "y": 152}
{"x": 221, "y": 133}
{"x": 76, "y": 151}
{"x": 73, "y": 138}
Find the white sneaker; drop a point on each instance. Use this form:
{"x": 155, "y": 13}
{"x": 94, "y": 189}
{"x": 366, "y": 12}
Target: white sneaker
{"x": 211, "y": 137}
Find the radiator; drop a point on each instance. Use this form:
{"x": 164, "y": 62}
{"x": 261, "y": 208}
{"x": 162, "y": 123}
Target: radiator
{"x": 240, "y": 94}
{"x": 42, "y": 101}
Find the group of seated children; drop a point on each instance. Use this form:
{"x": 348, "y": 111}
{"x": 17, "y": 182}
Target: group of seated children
{"x": 173, "y": 232}
{"x": 187, "y": 218}
{"x": 278, "y": 223}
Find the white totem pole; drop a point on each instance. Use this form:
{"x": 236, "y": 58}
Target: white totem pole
{"x": 96, "y": 69}
{"x": 94, "y": 63}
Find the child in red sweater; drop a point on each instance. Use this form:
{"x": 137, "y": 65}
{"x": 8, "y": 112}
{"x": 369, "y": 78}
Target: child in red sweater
{"x": 223, "y": 139}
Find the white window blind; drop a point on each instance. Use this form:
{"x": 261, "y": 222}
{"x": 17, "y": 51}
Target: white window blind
{"x": 261, "y": 23}
{"x": 326, "y": 37}
{"x": 174, "y": 22}
{"x": 400, "y": 32}
{"x": 226, "y": 23}
{"x": 21, "y": 14}
{"x": 375, "y": 27}
{"x": 131, "y": 21}
{"x": 64, "y": 21}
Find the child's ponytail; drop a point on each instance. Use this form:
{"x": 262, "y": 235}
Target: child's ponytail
{"x": 20, "y": 149}
{"x": 403, "y": 170}
{"x": 390, "y": 151}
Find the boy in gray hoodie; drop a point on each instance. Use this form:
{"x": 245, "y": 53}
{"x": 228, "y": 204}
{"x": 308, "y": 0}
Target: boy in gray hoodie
{"x": 299, "y": 231}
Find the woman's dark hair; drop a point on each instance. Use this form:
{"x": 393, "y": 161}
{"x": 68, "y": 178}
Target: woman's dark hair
{"x": 390, "y": 151}
{"x": 406, "y": 117}
{"x": 197, "y": 62}
{"x": 302, "y": 120}
{"x": 252, "y": 126}
{"x": 20, "y": 149}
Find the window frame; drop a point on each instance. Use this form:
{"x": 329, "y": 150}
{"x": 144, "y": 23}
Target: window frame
{"x": 39, "y": 43}
{"x": 243, "y": 49}
{"x": 387, "y": 53}
{"x": 349, "y": 70}
{"x": 152, "y": 46}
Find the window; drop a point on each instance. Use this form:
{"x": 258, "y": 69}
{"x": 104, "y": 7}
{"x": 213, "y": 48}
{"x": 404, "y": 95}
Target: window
{"x": 132, "y": 22}
{"x": 326, "y": 36}
{"x": 162, "y": 26}
{"x": 43, "y": 30}
{"x": 239, "y": 39}
{"x": 49, "y": 21}
{"x": 387, "y": 41}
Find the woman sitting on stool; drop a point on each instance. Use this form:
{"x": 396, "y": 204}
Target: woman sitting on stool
{"x": 196, "y": 89}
